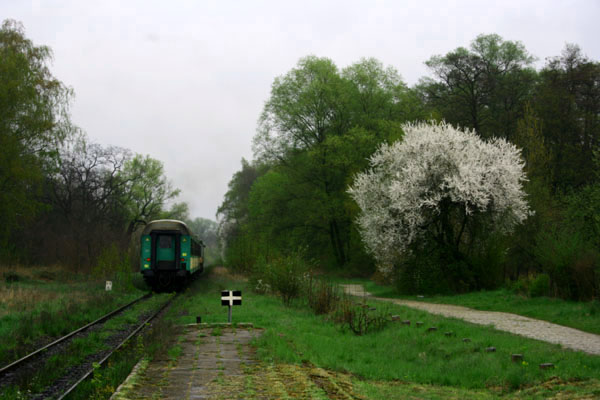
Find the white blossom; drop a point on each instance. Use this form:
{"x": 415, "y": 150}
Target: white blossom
{"x": 401, "y": 192}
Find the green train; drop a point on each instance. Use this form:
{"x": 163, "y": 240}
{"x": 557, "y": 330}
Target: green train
{"x": 170, "y": 254}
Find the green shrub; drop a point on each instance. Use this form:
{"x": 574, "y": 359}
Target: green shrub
{"x": 359, "y": 318}
{"x": 520, "y": 286}
{"x": 540, "y": 286}
{"x": 322, "y": 296}
{"x": 114, "y": 264}
{"x": 571, "y": 262}
{"x": 10, "y": 277}
{"x": 422, "y": 273}
{"x": 284, "y": 275}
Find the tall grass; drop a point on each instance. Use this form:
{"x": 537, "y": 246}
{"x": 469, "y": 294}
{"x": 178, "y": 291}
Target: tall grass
{"x": 44, "y": 303}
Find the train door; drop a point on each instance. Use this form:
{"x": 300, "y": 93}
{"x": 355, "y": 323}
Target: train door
{"x": 165, "y": 251}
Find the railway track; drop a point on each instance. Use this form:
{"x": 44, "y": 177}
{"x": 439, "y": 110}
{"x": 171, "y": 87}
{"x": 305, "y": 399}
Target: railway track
{"x": 61, "y": 387}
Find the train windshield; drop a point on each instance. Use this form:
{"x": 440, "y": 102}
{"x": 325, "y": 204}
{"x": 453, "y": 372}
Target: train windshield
{"x": 165, "y": 242}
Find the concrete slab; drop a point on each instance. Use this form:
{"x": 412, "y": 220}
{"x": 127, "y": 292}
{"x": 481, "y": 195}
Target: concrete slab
{"x": 208, "y": 356}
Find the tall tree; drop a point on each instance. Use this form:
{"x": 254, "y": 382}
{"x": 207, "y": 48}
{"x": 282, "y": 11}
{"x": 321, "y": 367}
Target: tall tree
{"x": 317, "y": 129}
{"x": 484, "y": 88}
{"x": 33, "y": 119}
{"x": 235, "y": 244}
{"x": 568, "y": 102}
{"x": 85, "y": 194}
{"x": 148, "y": 190}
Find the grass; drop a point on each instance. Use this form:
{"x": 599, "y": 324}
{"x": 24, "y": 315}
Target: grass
{"x": 579, "y": 315}
{"x": 38, "y": 304}
{"x": 396, "y": 354}
{"x": 80, "y": 348}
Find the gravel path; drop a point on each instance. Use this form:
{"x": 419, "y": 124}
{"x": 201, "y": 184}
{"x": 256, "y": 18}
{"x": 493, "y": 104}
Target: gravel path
{"x": 532, "y": 328}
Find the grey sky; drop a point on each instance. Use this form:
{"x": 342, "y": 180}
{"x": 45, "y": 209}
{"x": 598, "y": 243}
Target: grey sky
{"x": 185, "y": 81}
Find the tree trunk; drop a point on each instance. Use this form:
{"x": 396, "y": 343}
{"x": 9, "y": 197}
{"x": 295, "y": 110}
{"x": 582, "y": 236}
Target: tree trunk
{"x": 336, "y": 242}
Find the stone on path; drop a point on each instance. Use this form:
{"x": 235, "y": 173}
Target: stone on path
{"x": 546, "y": 366}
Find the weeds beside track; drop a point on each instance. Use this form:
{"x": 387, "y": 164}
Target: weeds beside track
{"x": 53, "y": 371}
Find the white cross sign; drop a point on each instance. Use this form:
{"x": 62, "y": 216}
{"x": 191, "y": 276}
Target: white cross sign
{"x": 231, "y": 298}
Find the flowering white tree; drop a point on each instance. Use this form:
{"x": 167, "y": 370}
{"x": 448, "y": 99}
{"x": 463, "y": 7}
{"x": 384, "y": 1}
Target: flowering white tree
{"x": 438, "y": 185}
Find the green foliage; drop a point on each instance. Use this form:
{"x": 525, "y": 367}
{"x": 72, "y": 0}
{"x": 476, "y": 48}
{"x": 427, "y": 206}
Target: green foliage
{"x": 571, "y": 261}
{"x": 483, "y": 87}
{"x": 113, "y": 263}
{"x": 206, "y": 230}
{"x": 421, "y": 273}
{"x": 540, "y": 286}
{"x": 566, "y": 101}
{"x": 101, "y": 389}
{"x": 33, "y": 120}
{"x": 317, "y": 129}
{"x": 322, "y": 296}
{"x": 236, "y": 243}
{"x": 285, "y": 275}
{"x": 148, "y": 190}
{"x": 397, "y": 352}
{"x": 359, "y": 318}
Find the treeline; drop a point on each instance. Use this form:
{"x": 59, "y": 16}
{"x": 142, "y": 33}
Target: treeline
{"x": 63, "y": 198}
{"x": 321, "y": 124}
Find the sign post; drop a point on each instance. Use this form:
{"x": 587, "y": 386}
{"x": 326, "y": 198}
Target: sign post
{"x": 231, "y": 298}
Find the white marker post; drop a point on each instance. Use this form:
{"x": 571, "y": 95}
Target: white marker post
{"x": 231, "y": 298}
{"x": 108, "y": 286}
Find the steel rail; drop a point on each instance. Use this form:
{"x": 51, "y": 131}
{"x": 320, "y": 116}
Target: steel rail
{"x": 20, "y": 361}
{"x": 135, "y": 331}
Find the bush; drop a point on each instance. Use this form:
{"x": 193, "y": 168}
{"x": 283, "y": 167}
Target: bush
{"x": 323, "y": 297}
{"x": 539, "y": 286}
{"x": 284, "y": 275}
{"x": 571, "y": 263}
{"x": 113, "y": 264}
{"x": 360, "y": 318}
{"x": 520, "y": 286}
{"x": 422, "y": 273}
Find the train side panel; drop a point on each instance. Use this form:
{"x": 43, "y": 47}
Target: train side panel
{"x": 146, "y": 253}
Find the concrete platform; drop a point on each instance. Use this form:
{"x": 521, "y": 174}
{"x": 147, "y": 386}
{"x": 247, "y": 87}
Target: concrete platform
{"x": 211, "y": 355}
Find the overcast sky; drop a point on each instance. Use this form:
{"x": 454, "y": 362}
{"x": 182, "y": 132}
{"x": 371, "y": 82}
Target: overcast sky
{"x": 185, "y": 81}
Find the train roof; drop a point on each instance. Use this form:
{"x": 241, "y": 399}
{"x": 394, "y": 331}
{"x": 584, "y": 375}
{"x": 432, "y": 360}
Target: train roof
{"x": 167, "y": 225}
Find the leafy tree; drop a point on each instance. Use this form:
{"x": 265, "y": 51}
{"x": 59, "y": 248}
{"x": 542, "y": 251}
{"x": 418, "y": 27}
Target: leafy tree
{"x": 205, "y": 229}
{"x": 85, "y": 193}
{"x": 316, "y": 130}
{"x": 236, "y": 246}
{"x": 483, "y": 88}
{"x": 235, "y": 204}
{"x": 179, "y": 211}
{"x": 568, "y": 102}
{"x": 439, "y": 187}
{"x": 147, "y": 191}
{"x": 33, "y": 120}
{"x": 377, "y": 94}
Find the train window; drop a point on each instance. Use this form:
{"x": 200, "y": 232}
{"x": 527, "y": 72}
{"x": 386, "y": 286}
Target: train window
{"x": 164, "y": 242}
